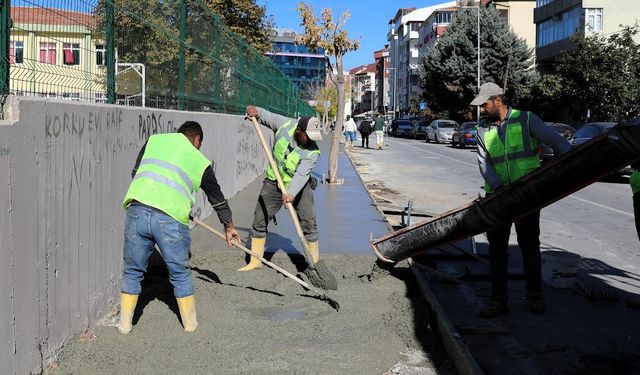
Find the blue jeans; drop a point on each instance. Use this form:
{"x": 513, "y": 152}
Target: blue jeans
{"x": 144, "y": 227}
{"x": 349, "y": 136}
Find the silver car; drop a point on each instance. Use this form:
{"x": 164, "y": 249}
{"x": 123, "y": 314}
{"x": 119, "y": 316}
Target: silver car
{"x": 441, "y": 130}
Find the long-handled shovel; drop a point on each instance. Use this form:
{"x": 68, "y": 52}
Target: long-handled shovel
{"x": 321, "y": 294}
{"x": 318, "y": 273}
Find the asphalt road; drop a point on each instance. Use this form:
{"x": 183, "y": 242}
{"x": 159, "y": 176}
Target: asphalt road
{"x": 595, "y": 222}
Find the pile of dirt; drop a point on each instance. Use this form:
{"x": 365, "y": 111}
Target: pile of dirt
{"x": 260, "y": 322}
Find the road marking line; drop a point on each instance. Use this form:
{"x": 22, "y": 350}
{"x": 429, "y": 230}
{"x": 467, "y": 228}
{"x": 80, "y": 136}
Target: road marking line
{"x": 570, "y": 196}
{"x": 601, "y": 206}
{"x": 443, "y": 156}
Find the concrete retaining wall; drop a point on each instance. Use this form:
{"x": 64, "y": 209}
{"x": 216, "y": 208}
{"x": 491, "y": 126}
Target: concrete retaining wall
{"x": 65, "y": 169}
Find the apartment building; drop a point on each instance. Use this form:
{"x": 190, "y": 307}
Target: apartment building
{"x": 304, "y": 68}
{"x": 404, "y": 43}
{"x": 381, "y": 58}
{"x": 56, "y": 55}
{"x": 558, "y": 20}
{"x": 363, "y": 88}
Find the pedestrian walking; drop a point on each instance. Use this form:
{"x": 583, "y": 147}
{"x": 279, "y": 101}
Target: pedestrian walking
{"x": 378, "y": 127}
{"x": 167, "y": 174}
{"x": 506, "y": 153}
{"x": 365, "y": 131}
{"x": 350, "y": 131}
{"x": 296, "y": 153}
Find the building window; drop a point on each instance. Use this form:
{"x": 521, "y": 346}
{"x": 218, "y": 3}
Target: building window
{"x": 100, "y": 97}
{"x": 47, "y": 53}
{"x": 540, "y": 3}
{"x": 73, "y": 96}
{"x": 16, "y": 52}
{"x": 593, "y": 19}
{"x": 100, "y": 55}
{"x": 559, "y": 27}
{"x": 443, "y": 17}
{"x": 71, "y": 52}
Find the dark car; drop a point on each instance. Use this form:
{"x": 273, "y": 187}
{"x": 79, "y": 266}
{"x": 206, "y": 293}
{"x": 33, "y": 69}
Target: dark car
{"x": 419, "y": 130}
{"x": 464, "y": 135}
{"x": 591, "y": 130}
{"x": 403, "y": 128}
{"x": 546, "y": 153}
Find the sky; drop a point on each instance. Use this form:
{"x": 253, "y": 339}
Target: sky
{"x": 369, "y": 21}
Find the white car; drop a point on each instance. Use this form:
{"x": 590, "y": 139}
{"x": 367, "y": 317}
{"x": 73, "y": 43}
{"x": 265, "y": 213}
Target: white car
{"x": 441, "y": 130}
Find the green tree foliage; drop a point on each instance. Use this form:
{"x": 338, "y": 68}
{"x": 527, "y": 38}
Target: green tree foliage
{"x": 448, "y": 74}
{"x": 603, "y": 74}
{"x": 247, "y": 19}
{"x": 147, "y": 32}
{"x": 329, "y": 34}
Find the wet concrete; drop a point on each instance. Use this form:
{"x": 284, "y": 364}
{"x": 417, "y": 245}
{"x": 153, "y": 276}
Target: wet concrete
{"x": 260, "y": 322}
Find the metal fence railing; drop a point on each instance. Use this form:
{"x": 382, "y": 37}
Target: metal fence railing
{"x": 174, "y": 54}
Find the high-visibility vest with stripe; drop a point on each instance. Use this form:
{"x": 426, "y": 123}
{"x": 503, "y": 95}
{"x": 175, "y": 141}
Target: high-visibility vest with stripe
{"x": 634, "y": 180}
{"x": 286, "y": 156}
{"x": 168, "y": 176}
{"x": 518, "y": 154}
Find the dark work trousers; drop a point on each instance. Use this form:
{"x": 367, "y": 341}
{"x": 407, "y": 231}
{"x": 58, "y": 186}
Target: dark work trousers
{"x": 528, "y": 231}
{"x": 269, "y": 203}
{"x": 636, "y": 211}
{"x": 365, "y": 139}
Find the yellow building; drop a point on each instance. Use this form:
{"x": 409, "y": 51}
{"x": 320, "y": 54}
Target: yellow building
{"x": 56, "y": 53}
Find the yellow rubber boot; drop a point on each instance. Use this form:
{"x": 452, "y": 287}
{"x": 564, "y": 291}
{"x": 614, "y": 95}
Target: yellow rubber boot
{"x": 187, "y": 307}
{"x": 313, "y": 249}
{"x": 257, "y": 246}
{"x": 127, "y": 306}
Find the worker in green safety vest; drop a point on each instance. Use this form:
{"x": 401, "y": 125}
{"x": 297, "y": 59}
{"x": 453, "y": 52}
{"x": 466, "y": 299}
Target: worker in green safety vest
{"x": 168, "y": 172}
{"x": 506, "y": 153}
{"x": 296, "y": 153}
{"x": 634, "y": 181}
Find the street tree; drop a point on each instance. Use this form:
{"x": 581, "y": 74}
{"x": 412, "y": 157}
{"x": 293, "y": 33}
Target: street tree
{"x": 147, "y": 32}
{"x": 246, "y": 18}
{"x": 603, "y": 75}
{"x": 329, "y": 35}
{"x": 322, "y": 93}
{"x": 448, "y": 74}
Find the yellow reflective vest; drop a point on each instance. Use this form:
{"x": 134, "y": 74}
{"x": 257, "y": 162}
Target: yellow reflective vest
{"x": 168, "y": 176}
{"x": 518, "y": 154}
{"x": 286, "y": 156}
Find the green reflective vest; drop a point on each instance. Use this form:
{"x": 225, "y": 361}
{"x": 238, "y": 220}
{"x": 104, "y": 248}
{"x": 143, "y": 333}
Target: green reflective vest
{"x": 286, "y": 156}
{"x": 518, "y": 155}
{"x": 634, "y": 180}
{"x": 168, "y": 176}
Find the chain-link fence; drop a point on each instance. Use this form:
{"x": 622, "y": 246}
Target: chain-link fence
{"x": 173, "y": 54}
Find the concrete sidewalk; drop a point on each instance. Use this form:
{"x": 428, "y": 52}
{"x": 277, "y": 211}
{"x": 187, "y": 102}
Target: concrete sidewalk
{"x": 346, "y": 215}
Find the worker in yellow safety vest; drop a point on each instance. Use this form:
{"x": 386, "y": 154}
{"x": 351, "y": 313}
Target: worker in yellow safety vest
{"x": 295, "y": 152}
{"x": 506, "y": 153}
{"x": 168, "y": 172}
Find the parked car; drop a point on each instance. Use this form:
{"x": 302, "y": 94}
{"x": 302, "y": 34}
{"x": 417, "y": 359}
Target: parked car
{"x": 465, "y": 134}
{"x": 441, "y": 130}
{"x": 403, "y": 128}
{"x": 566, "y": 131}
{"x": 591, "y": 130}
{"x": 419, "y": 130}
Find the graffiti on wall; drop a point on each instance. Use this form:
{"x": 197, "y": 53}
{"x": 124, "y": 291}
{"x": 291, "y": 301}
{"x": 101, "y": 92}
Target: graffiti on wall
{"x": 153, "y": 124}
{"x": 4, "y": 151}
{"x": 248, "y": 150}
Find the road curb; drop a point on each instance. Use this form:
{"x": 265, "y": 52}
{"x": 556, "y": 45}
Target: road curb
{"x": 455, "y": 345}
